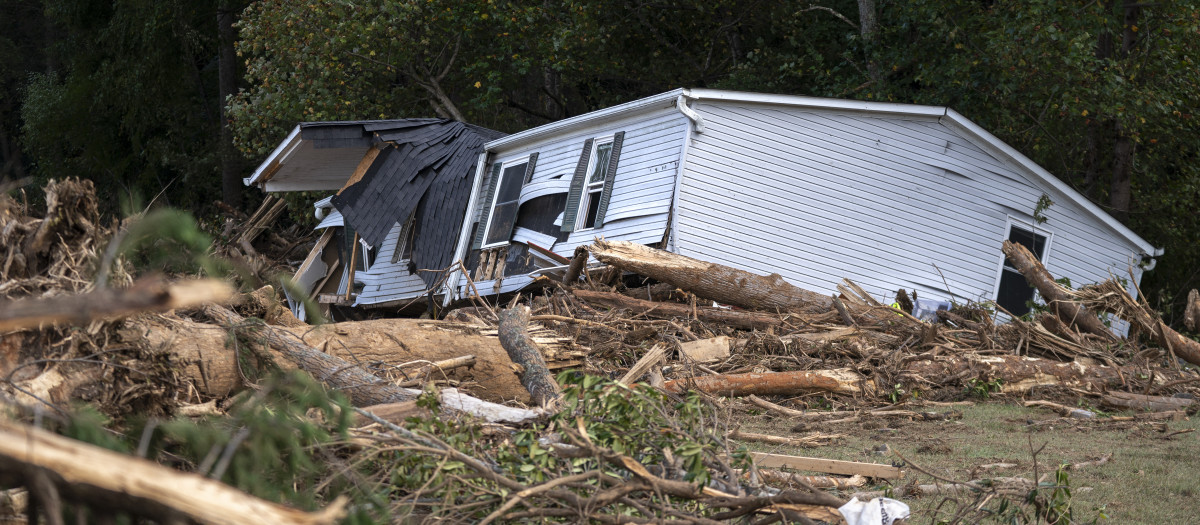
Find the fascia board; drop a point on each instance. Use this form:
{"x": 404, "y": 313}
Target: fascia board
{"x": 289, "y": 144}
{"x": 816, "y": 102}
{"x": 662, "y": 100}
{"x": 992, "y": 144}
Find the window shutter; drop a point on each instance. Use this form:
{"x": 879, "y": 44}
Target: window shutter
{"x": 577, "y": 182}
{"x": 528, "y": 173}
{"x": 609, "y": 176}
{"x": 486, "y": 212}
{"x": 529, "y": 168}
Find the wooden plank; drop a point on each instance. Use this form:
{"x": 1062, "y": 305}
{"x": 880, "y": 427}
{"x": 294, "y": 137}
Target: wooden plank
{"x": 828, "y": 466}
{"x": 361, "y": 170}
{"x": 545, "y": 251}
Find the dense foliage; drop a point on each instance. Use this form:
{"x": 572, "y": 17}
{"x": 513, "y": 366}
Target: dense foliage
{"x": 1101, "y": 93}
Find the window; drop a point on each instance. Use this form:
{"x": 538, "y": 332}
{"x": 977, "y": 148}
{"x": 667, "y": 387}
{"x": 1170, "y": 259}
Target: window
{"x": 404, "y": 243}
{"x": 1012, "y": 292}
{"x": 589, "y": 202}
{"x": 503, "y": 209}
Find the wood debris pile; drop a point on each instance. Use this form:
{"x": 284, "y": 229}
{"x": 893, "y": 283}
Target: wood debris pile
{"x": 587, "y": 400}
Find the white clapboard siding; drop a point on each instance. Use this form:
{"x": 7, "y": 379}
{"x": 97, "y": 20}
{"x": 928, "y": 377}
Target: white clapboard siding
{"x": 387, "y": 281}
{"x": 820, "y": 195}
{"x": 644, "y": 183}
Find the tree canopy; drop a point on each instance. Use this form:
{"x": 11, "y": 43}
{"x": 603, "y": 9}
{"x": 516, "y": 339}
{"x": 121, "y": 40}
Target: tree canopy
{"x": 1101, "y": 93}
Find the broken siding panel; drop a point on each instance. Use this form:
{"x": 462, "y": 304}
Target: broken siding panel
{"x": 647, "y": 140}
{"x": 386, "y": 280}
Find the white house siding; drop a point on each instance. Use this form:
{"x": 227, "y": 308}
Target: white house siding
{"x": 387, "y": 281}
{"x": 643, "y": 185}
{"x": 820, "y": 195}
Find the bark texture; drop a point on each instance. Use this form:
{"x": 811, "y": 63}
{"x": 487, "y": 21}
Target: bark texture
{"x": 1057, "y": 299}
{"x": 103, "y": 479}
{"x": 734, "y": 318}
{"x": 840, "y": 381}
{"x": 710, "y": 280}
{"x": 515, "y": 339}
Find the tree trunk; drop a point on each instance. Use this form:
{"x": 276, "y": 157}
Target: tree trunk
{"x": 535, "y": 376}
{"x": 868, "y": 27}
{"x": 231, "y": 160}
{"x": 1120, "y": 195}
{"x": 662, "y": 310}
{"x": 364, "y": 388}
{"x": 839, "y": 381}
{"x": 107, "y": 480}
{"x": 1191, "y": 313}
{"x": 1056, "y": 298}
{"x": 709, "y": 280}
{"x": 1111, "y": 297}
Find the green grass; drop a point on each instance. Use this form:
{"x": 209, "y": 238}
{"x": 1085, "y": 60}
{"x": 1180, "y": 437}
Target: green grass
{"x": 1149, "y": 479}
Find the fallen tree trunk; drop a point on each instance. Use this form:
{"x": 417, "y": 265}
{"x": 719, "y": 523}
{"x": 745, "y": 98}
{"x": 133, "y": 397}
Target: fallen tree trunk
{"x": 734, "y": 318}
{"x": 108, "y": 481}
{"x": 1011, "y": 374}
{"x": 1057, "y": 300}
{"x": 110, "y": 303}
{"x": 840, "y": 381}
{"x": 524, "y": 352}
{"x": 1147, "y": 403}
{"x": 709, "y": 280}
{"x": 1109, "y": 296}
{"x": 363, "y": 388}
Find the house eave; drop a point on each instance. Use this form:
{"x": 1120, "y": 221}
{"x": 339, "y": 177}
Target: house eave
{"x": 660, "y": 101}
{"x": 997, "y": 147}
{"x": 273, "y": 161}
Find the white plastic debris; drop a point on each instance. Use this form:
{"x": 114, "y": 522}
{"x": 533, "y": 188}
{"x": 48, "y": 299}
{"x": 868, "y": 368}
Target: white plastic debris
{"x": 878, "y": 511}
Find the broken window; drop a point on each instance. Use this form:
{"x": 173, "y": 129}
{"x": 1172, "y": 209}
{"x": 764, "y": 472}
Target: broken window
{"x": 404, "y": 244}
{"x": 591, "y": 187}
{"x": 505, "y": 192}
{"x": 1013, "y": 293}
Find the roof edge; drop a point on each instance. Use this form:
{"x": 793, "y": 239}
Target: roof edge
{"x": 272, "y": 162}
{"x": 1002, "y": 149}
{"x": 816, "y": 102}
{"x": 613, "y": 112}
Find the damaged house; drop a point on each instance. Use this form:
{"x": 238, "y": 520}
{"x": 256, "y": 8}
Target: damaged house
{"x": 400, "y": 189}
{"x": 889, "y": 195}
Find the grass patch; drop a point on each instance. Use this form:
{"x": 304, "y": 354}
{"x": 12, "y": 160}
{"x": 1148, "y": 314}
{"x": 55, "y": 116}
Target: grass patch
{"x": 1150, "y": 479}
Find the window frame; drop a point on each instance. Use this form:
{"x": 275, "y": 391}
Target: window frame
{"x": 1002, "y": 267}
{"x": 491, "y": 217}
{"x": 585, "y": 195}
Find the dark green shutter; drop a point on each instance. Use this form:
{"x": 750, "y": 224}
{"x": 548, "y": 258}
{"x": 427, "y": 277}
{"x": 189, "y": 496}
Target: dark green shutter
{"x": 486, "y": 212}
{"x": 577, "y": 184}
{"x": 609, "y": 176}
{"x": 529, "y": 168}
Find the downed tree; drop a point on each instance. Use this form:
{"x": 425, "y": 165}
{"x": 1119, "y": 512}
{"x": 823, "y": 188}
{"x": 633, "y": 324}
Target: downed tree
{"x": 734, "y": 318}
{"x": 840, "y": 381}
{"x": 364, "y": 388}
{"x": 1109, "y": 296}
{"x": 524, "y": 352}
{"x": 56, "y": 468}
{"x": 710, "y": 280}
{"x": 1057, "y": 299}
{"x": 151, "y": 294}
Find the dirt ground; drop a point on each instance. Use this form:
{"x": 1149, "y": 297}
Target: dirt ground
{"x": 1151, "y": 477}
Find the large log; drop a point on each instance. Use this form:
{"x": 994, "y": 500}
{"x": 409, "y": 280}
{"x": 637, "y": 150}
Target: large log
{"x": 839, "y": 381}
{"x": 150, "y": 294}
{"x": 944, "y": 366}
{"x": 710, "y": 280}
{"x": 535, "y": 376}
{"x": 1057, "y": 300}
{"x": 106, "y": 480}
{"x": 734, "y": 318}
{"x": 364, "y": 388}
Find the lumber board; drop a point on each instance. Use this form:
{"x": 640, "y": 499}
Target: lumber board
{"x": 828, "y": 466}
